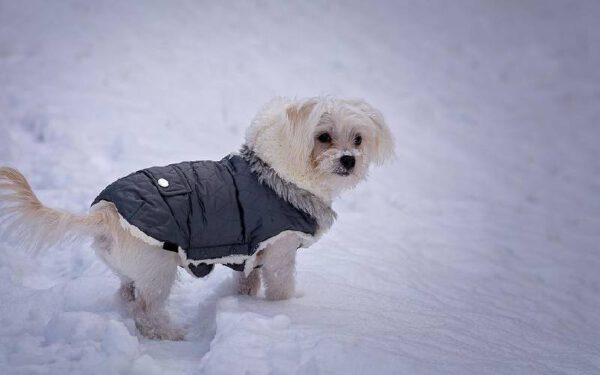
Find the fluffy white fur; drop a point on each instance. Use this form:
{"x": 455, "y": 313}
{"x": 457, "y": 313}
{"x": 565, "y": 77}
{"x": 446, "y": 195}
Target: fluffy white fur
{"x": 289, "y": 135}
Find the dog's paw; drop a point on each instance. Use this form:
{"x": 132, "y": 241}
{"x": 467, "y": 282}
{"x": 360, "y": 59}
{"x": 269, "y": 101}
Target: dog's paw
{"x": 248, "y": 289}
{"x": 175, "y": 334}
{"x": 161, "y": 333}
{"x": 278, "y": 294}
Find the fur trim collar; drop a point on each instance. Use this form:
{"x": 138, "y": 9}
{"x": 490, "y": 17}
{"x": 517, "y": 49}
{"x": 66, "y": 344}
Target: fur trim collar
{"x": 302, "y": 199}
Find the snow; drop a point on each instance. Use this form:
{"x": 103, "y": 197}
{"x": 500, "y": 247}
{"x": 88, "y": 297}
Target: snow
{"x": 475, "y": 252}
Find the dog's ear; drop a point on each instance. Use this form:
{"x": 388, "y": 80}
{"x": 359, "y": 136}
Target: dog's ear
{"x": 383, "y": 142}
{"x": 298, "y": 112}
{"x": 300, "y": 116}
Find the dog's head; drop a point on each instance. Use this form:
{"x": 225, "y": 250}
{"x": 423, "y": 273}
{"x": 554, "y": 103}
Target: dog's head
{"x": 323, "y": 145}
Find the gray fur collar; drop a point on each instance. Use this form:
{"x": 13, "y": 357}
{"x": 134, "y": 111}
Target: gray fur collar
{"x": 302, "y": 199}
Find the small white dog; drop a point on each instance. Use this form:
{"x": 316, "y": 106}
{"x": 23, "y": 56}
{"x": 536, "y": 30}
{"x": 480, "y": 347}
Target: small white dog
{"x": 250, "y": 211}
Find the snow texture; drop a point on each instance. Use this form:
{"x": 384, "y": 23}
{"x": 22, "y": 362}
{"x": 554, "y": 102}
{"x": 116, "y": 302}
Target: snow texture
{"x": 475, "y": 252}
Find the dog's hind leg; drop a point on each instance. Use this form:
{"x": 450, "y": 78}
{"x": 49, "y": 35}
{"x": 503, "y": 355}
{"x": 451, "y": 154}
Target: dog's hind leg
{"x": 104, "y": 245}
{"x": 147, "y": 274}
{"x": 152, "y": 288}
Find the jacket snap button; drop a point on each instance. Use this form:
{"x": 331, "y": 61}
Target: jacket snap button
{"x": 163, "y": 183}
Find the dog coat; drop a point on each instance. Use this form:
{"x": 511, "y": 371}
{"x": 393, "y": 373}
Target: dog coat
{"x": 210, "y": 212}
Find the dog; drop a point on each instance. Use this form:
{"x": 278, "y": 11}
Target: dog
{"x": 250, "y": 211}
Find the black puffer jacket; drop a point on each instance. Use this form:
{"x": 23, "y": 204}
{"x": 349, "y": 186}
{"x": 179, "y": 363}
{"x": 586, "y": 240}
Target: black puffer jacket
{"x": 211, "y": 210}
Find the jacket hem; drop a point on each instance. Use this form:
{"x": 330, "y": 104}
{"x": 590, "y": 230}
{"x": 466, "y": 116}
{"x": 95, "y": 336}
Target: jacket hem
{"x": 249, "y": 261}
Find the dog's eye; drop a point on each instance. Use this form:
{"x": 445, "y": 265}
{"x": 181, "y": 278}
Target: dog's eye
{"x": 324, "y": 138}
{"x": 357, "y": 140}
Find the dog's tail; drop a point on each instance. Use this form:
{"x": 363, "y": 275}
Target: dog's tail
{"x": 24, "y": 218}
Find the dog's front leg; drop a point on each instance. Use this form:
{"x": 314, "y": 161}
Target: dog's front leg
{"x": 278, "y": 268}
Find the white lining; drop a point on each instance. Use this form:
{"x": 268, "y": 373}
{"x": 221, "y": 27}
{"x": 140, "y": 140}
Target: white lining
{"x": 249, "y": 260}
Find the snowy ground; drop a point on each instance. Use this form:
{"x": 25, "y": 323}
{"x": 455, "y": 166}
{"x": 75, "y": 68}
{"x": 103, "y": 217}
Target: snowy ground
{"x": 475, "y": 252}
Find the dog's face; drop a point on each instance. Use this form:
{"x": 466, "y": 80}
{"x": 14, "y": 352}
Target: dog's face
{"x": 323, "y": 145}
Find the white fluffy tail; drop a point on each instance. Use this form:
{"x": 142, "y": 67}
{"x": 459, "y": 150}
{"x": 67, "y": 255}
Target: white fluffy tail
{"x": 36, "y": 227}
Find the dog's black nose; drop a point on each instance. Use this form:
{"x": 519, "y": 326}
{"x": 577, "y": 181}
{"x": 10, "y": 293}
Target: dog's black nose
{"x": 348, "y": 161}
